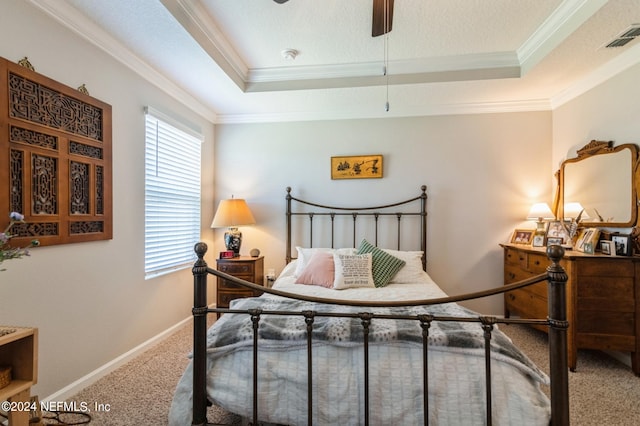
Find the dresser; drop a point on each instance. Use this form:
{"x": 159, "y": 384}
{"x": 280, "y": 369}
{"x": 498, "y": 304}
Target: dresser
{"x": 603, "y": 298}
{"x": 246, "y": 268}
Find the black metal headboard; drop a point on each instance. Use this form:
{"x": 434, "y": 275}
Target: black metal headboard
{"x": 417, "y": 207}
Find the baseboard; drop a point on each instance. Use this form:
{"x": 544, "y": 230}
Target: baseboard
{"x": 75, "y": 387}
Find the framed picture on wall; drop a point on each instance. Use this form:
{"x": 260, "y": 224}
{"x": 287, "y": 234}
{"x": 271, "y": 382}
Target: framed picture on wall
{"x": 356, "y": 167}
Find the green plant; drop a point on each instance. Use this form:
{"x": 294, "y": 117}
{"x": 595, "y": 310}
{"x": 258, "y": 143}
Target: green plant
{"x": 6, "y": 250}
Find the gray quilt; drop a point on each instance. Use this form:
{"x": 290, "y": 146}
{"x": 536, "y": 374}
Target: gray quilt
{"x": 237, "y": 329}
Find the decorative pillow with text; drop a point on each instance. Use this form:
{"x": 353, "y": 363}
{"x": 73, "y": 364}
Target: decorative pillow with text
{"x": 352, "y": 271}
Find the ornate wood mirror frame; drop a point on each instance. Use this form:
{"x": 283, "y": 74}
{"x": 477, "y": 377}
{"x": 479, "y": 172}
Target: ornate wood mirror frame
{"x": 603, "y": 179}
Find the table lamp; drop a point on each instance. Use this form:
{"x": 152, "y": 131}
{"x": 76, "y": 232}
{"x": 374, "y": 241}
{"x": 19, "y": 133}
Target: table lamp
{"x": 540, "y": 212}
{"x": 231, "y": 214}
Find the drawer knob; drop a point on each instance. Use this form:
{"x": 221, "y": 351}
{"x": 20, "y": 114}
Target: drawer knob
{"x": 512, "y": 297}
{"x": 512, "y": 275}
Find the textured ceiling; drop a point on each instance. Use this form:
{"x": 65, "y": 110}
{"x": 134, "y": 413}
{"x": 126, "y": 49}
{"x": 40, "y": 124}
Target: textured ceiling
{"x": 223, "y": 57}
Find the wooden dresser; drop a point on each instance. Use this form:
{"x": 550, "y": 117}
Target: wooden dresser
{"x": 247, "y": 268}
{"x": 603, "y": 298}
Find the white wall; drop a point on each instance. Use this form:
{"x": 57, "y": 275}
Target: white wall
{"x": 607, "y": 112}
{"x": 90, "y": 301}
{"x": 482, "y": 172}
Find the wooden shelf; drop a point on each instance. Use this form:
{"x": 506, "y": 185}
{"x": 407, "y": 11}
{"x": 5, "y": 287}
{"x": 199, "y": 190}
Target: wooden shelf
{"x": 19, "y": 349}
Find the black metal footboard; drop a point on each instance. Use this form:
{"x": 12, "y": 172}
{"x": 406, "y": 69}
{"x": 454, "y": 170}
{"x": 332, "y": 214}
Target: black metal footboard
{"x": 556, "y": 321}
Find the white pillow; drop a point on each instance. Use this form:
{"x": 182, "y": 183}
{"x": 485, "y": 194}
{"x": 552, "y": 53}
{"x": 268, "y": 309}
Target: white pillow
{"x": 352, "y": 270}
{"x": 304, "y": 255}
{"x": 412, "y": 271}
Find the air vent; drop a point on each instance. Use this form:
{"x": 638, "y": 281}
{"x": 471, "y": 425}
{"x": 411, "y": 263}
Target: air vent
{"x": 625, "y": 37}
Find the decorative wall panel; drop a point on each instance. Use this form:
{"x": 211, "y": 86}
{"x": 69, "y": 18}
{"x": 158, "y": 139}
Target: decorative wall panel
{"x": 55, "y": 159}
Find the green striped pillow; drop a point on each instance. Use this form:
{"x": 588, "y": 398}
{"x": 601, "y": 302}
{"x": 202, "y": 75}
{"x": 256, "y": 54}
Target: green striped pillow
{"x": 384, "y": 266}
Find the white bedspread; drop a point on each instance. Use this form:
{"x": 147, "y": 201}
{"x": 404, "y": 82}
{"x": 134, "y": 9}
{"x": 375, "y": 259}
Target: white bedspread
{"x": 456, "y": 392}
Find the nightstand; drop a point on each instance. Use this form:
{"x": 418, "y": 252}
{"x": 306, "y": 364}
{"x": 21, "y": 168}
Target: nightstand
{"x": 244, "y": 267}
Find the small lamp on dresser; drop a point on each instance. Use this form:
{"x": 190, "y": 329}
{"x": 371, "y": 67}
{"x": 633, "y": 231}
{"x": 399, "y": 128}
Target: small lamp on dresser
{"x": 540, "y": 212}
{"x": 231, "y": 214}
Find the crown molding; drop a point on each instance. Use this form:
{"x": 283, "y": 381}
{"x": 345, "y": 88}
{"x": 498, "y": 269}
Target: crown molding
{"x": 85, "y": 28}
{"x": 564, "y": 20}
{"x": 374, "y": 112}
{"x": 603, "y": 73}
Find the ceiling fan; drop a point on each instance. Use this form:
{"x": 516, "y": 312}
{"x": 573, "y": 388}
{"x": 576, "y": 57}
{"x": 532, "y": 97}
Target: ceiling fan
{"x": 382, "y": 16}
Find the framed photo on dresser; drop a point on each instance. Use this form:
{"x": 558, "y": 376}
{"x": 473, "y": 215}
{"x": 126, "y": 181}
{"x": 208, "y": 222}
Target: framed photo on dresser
{"x": 522, "y": 236}
{"x": 558, "y": 229}
{"x": 587, "y": 240}
{"x": 622, "y": 244}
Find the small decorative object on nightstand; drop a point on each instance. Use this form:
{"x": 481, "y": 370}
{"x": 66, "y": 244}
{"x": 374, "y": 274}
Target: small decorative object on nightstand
{"x": 246, "y": 268}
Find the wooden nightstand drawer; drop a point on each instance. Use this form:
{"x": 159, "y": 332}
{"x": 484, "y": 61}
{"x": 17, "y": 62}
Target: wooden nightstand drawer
{"x": 228, "y": 285}
{"x": 249, "y": 269}
{"x": 236, "y": 269}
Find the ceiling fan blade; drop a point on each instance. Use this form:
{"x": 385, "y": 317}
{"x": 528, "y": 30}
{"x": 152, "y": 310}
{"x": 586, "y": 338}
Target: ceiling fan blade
{"x": 382, "y": 9}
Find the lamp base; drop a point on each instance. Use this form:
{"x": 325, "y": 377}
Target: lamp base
{"x": 233, "y": 240}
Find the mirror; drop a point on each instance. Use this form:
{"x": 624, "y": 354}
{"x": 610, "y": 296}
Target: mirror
{"x": 602, "y": 180}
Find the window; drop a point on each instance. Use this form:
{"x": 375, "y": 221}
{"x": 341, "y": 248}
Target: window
{"x": 172, "y": 194}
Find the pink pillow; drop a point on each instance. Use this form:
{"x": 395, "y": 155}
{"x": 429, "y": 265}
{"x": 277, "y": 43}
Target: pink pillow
{"x": 320, "y": 271}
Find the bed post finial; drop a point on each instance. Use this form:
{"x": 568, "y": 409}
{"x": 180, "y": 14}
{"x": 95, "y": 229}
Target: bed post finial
{"x": 200, "y": 249}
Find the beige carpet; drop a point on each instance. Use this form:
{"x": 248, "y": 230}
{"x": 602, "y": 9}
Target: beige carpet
{"x": 603, "y": 391}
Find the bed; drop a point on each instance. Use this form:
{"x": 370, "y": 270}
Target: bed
{"x": 362, "y": 335}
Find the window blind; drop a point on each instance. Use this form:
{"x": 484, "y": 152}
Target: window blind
{"x": 172, "y": 195}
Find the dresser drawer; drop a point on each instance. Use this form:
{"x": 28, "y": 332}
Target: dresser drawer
{"x": 526, "y": 304}
{"x": 513, "y": 274}
{"x": 606, "y": 267}
{"x": 536, "y": 263}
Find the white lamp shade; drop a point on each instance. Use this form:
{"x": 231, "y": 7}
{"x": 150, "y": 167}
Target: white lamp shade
{"x": 232, "y": 213}
{"x": 540, "y": 211}
{"x": 572, "y": 210}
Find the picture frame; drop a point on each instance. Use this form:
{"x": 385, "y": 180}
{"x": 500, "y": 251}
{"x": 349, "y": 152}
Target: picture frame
{"x": 588, "y": 248}
{"x": 522, "y": 236}
{"x": 608, "y": 248}
{"x": 622, "y": 244}
{"x": 356, "y": 167}
{"x": 588, "y": 236}
{"x": 538, "y": 240}
{"x": 558, "y": 229}
{"x": 554, "y": 241}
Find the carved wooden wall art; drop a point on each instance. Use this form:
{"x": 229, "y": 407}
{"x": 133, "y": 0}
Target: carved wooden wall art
{"x": 55, "y": 159}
